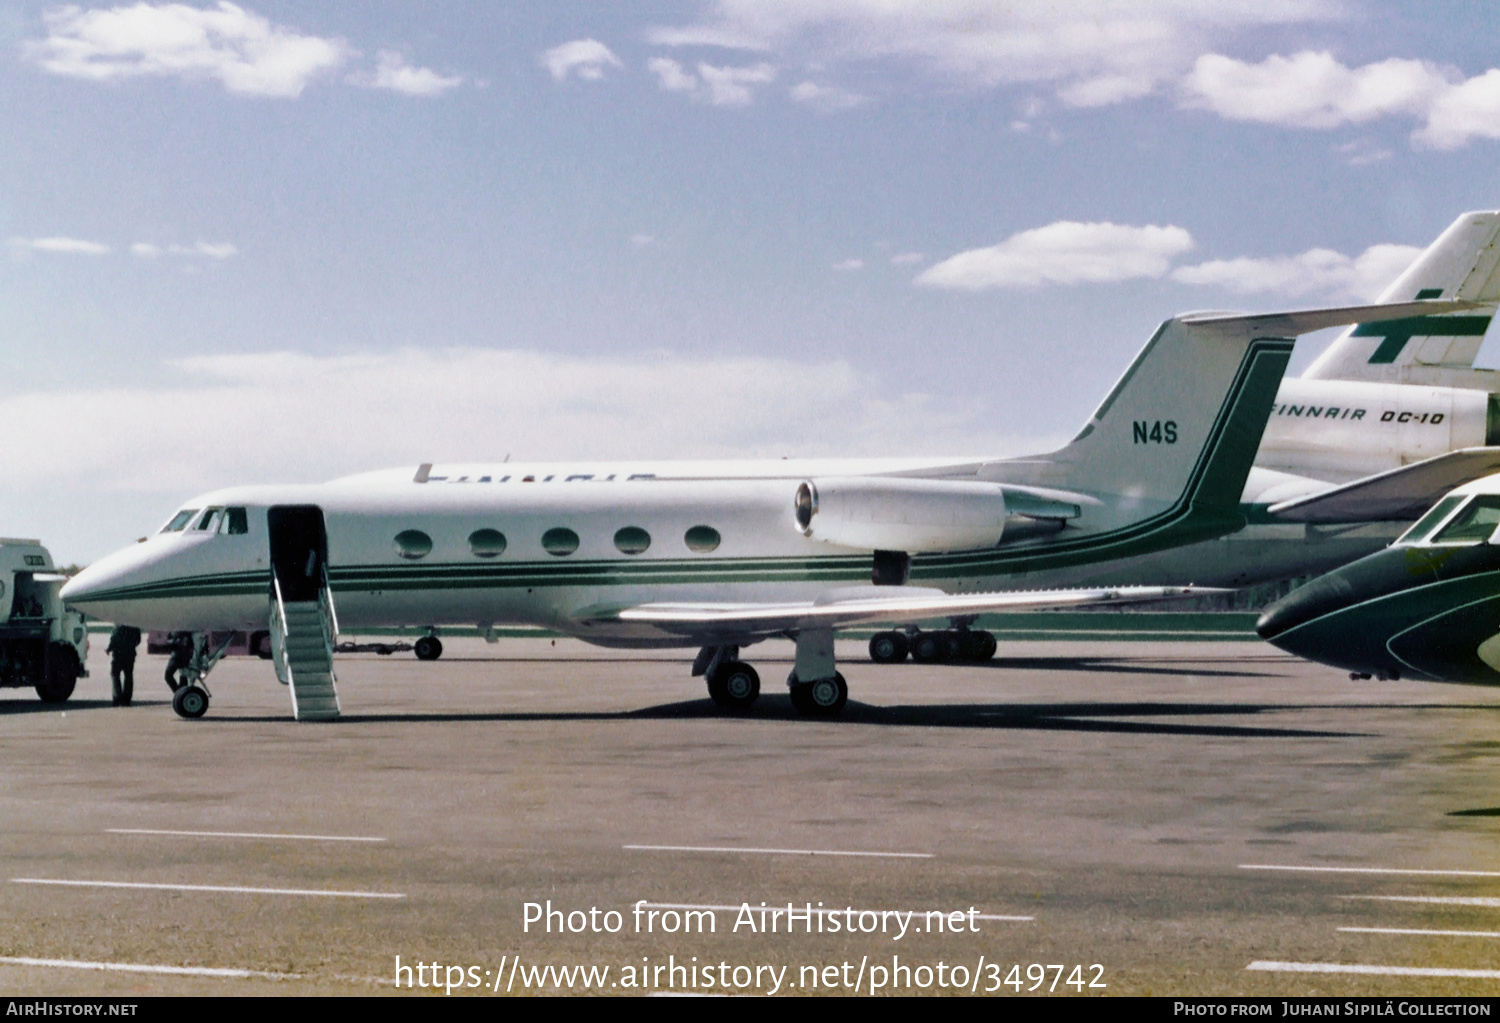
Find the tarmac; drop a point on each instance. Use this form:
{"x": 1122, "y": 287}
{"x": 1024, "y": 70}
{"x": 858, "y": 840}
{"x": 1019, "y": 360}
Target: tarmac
{"x": 1169, "y": 818}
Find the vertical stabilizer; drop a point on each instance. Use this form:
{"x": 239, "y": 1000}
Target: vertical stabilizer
{"x": 1464, "y": 263}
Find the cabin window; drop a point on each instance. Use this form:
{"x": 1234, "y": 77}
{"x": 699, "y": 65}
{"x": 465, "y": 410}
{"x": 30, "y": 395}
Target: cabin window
{"x": 1427, "y": 523}
{"x": 180, "y": 520}
{"x": 632, "y": 540}
{"x": 487, "y": 543}
{"x": 702, "y": 539}
{"x": 236, "y": 522}
{"x": 1475, "y": 524}
{"x": 560, "y": 541}
{"x": 209, "y": 523}
{"x": 412, "y": 544}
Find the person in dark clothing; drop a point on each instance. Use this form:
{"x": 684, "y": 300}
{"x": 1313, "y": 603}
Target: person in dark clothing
{"x": 181, "y": 656}
{"x": 122, "y": 645}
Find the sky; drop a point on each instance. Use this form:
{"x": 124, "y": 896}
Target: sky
{"x": 285, "y": 241}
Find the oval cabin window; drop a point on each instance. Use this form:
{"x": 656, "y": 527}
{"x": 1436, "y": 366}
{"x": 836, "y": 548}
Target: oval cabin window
{"x": 413, "y": 544}
{"x": 702, "y": 539}
{"x": 487, "y": 543}
{"x": 560, "y": 541}
{"x": 632, "y": 540}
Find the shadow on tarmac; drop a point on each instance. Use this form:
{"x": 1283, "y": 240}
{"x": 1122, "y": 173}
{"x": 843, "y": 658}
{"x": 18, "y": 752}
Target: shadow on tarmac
{"x": 1068, "y": 717}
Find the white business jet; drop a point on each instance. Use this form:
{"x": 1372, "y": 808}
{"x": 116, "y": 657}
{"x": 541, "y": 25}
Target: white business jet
{"x": 719, "y": 556}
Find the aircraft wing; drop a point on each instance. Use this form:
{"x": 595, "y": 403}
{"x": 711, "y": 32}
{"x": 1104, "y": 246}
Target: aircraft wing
{"x": 1396, "y": 494}
{"x": 861, "y": 606}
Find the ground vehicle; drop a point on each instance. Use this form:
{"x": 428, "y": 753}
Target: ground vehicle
{"x": 42, "y": 644}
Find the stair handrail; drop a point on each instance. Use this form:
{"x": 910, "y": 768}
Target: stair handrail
{"x": 330, "y": 616}
{"x": 278, "y": 623}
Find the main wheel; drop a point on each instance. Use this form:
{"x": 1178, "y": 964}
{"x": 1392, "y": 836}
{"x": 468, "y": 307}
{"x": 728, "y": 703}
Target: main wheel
{"x": 734, "y": 685}
{"x": 824, "y": 698}
{"x": 62, "y": 675}
{"x": 929, "y": 648}
{"x": 888, "y": 648}
{"x": 428, "y": 648}
{"x": 190, "y": 701}
{"x": 984, "y": 646}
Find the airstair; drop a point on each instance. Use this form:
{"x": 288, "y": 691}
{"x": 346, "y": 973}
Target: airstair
{"x": 303, "y": 635}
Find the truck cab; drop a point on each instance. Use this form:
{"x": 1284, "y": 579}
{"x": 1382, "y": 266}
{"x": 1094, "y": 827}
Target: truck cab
{"x": 43, "y": 645}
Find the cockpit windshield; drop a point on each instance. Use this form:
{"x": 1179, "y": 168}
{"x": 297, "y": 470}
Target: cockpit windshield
{"x": 180, "y": 520}
{"x": 1427, "y": 523}
{"x": 210, "y": 521}
{"x": 1475, "y": 524}
{"x": 236, "y": 522}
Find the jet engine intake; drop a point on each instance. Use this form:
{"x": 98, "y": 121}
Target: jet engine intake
{"x": 911, "y": 515}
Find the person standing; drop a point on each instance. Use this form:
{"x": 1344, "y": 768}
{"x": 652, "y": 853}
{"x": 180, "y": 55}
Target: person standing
{"x": 122, "y": 646}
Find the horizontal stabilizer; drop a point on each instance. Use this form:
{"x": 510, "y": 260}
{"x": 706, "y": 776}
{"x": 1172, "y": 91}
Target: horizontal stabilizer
{"x": 1292, "y": 324}
{"x": 870, "y": 606}
{"x": 1399, "y": 494}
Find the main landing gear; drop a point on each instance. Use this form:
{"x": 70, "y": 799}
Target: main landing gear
{"x": 816, "y": 689}
{"x": 957, "y": 644}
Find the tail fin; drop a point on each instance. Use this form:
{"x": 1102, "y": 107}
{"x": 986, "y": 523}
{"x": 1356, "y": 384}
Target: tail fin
{"x": 1464, "y": 263}
{"x": 1172, "y": 444}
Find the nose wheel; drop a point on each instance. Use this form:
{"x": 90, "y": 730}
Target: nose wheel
{"x": 190, "y": 701}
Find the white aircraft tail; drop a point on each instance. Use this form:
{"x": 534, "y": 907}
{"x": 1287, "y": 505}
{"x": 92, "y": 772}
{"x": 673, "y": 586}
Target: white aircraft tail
{"x": 1439, "y": 351}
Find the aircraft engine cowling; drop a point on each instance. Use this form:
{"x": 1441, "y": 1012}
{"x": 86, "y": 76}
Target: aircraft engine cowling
{"x": 916, "y": 516}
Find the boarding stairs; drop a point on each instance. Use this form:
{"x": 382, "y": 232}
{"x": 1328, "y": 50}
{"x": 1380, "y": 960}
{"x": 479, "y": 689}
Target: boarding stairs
{"x": 303, "y": 636}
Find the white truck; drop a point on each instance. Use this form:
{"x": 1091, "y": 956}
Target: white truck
{"x": 42, "y": 644}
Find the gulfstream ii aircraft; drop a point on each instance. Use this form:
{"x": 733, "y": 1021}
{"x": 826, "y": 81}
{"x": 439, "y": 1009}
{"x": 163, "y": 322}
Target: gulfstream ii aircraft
{"x": 719, "y": 555}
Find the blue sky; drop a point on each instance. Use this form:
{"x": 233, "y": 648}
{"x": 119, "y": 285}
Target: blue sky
{"x": 288, "y": 241}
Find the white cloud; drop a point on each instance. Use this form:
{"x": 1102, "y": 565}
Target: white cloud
{"x": 1095, "y": 51}
{"x": 1466, "y": 111}
{"x": 211, "y": 250}
{"x": 849, "y": 264}
{"x": 205, "y": 250}
{"x": 731, "y": 86}
{"x": 1313, "y": 90}
{"x": 907, "y": 258}
{"x": 721, "y": 86}
{"x": 1065, "y": 252}
{"x": 62, "y": 245}
{"x": 244, "y": 51}
{"x": 394, "y": 73}
{"x": 671, "y": 75}
{"x": 461, "y": 404}
{"x": 826, "y": 97}
{"x": 1314, "y": 272}
{"x": 587, "y": 58}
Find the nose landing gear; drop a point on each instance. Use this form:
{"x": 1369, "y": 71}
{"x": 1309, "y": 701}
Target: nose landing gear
{"x": 194, "y": 655}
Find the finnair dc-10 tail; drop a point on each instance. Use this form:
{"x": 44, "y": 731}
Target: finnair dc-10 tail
{"x": 718, "y": 556}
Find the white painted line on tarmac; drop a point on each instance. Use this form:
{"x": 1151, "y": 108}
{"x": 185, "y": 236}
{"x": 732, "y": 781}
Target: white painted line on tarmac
{"x": 177, "y": 971}
{"x": 1373, "y": 870}
{"x": 1480, "y": 901}
{"x": 242, "y": 834}
{"x": 223, "y": 889}
{"x": 800, "y": 910}
{"x": 778, "y": 852}
{"x": 1414, "y": 930}
{"x": 1378, "y": 971}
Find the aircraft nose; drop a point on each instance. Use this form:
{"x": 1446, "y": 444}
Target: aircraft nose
{"x": 107, "y": 581}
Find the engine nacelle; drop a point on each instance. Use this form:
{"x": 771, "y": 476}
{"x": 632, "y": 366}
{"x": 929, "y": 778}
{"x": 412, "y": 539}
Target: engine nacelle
{"x": 916, "y": 516}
